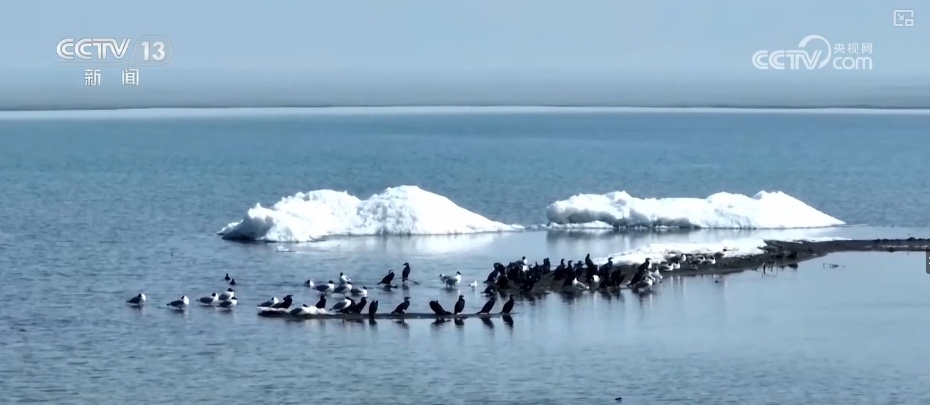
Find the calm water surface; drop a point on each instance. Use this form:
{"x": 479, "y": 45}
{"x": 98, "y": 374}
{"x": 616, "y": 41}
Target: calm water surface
{"x": 91, "y": 211}
{"x": 812, "y": 335}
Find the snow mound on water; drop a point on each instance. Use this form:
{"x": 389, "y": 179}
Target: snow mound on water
{"x": 403, "y": 210}
{"x": 765, "y": 210}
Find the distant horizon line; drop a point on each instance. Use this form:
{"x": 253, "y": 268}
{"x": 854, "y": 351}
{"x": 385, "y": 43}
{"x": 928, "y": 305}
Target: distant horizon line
{"x": 167, "y": 112}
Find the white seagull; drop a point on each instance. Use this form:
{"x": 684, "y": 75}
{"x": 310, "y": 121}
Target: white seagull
{"x": 326, "y": 288}
{"x": 228, "y": 304}
{"x": 656, "y": 276}
{"x": 269, "y": 303}
{"x": 677, "y": 257}
{"x": 306, "y": 310}
{"x": 208, "y": 300}
{"x": 579, "y": 285}
{"x": 227, "y": 295}
{"x": 181, "y": 303}
{"x": 359, "y": 292}
{"x": 343, "y": 289}
{"x": 302, "y": 310}
{"x": 645, "y": 283}
{"x": 343, "y": 279}
{"x": 137, "y": 300}
{"x": 342, "y": 305}
{"x": 474, "y": 284}
{"x": 451, "y": 281}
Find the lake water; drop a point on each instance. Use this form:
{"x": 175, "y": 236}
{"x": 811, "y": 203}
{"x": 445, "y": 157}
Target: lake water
{"x": 92, "y": 211}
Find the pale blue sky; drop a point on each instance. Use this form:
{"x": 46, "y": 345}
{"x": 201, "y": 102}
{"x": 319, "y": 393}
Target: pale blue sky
{"x": 303, "y": 52}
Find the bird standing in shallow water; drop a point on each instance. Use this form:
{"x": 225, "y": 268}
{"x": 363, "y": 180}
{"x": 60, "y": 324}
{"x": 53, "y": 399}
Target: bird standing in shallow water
{"x": 137, "y": 300}
{"x": 228, "y": 304}
{"x": 486, "y": 309}
{"x": 438, "y": 309}
{"x": 343, "y": 289}
{"x": 209, "y": 300}
{"x": 372, "y": 309}
{"x": 387, "y": 279}
{"x": 326, "y": 288}
{"x": 508, "y": 306}
{"x": 405, "y": 274}
{"x": 285, "y": 303}
{"x": 342, "y": 305}
{"x": 402, "y": 307}
{"x": 181, "y": 303}
{"x": 359, "y": 292}
{"x": 451, "y": 281}
{"x": 269, "y": 303}
{"x": 357, "y": 307}
{"x": 227, "y": 295}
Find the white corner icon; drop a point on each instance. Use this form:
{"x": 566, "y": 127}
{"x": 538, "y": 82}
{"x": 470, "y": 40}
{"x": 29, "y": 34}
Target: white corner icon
{"x": 903, "y": 18}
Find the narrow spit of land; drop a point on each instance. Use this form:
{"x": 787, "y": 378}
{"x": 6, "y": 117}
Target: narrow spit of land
{"x": 774, "y": 254}
{"x": 271, "y": 313}
{"x": 785, "y": 254}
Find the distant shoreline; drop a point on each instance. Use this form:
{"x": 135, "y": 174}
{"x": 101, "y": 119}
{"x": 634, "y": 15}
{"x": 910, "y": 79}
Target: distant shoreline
{"x": 451, "y": 109}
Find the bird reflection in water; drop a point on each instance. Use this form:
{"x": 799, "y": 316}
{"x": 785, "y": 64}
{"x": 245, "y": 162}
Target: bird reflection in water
{"x": 402, "y": 323}
{"x": 568, "y": 297}
{"x": 459, "y": 322}
{"x": 487, "y": 322}
{"x": 508, "y": 321}
{"x": 644, "y": 295}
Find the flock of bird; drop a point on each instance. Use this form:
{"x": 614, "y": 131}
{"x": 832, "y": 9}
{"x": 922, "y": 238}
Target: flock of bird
{"x": 345, "y": 305}
{"x": 518, "y": 275}
{"x": 224, "y": 300}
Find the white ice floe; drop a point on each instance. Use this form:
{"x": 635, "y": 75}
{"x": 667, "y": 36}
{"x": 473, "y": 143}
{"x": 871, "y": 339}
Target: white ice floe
{"x": 765, "y": 210}
{"x": 403, "y": 210}
{"x": 817, "y": 239}
{"x": 658, "y": 252}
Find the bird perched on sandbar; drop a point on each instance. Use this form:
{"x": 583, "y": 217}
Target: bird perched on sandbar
{"x": 402, "y": 307}
{"x": 486, "y": 309}
{"x": 459, "y": 305}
